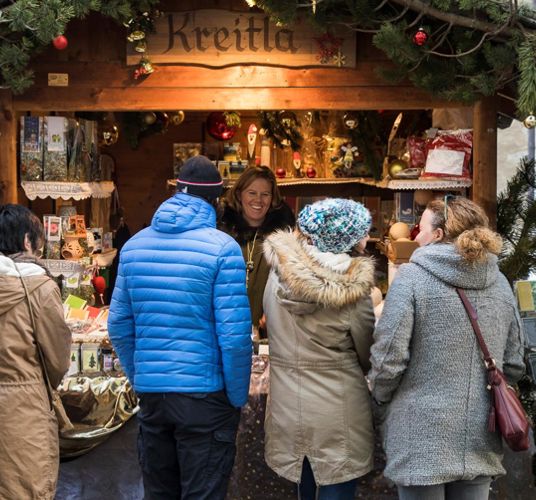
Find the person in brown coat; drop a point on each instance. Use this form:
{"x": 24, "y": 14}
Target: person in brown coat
{"x": 320, "y": 321}
{"x": 29, "y": 445}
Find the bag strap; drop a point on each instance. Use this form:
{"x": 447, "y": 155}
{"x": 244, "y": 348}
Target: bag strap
{"x": 473, "y": 317}
{"x": 50, "y": 390}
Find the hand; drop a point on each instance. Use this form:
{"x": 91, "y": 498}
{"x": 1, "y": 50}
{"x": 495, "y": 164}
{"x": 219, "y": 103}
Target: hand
{"x": 262, "y": 322}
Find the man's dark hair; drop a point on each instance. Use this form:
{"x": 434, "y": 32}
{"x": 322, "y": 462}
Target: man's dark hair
{"x": 17, "y": 221}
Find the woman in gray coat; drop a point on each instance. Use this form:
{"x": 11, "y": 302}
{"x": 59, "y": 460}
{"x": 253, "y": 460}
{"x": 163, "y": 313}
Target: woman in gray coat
{"x": 320, "y": 321}
{"x": 427, "y": 370}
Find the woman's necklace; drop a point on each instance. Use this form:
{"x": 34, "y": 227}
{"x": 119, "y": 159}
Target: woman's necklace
{"x": 249, "y": 254}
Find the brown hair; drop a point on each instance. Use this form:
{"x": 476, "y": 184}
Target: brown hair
{"x": 248, "y": 176}
{"x": 467, "y": 226}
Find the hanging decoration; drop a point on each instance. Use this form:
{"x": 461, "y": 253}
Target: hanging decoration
{"x": 149, "y": 118}
{"x": 350, "y": 120}
{"x": 177, "y": 118}
{"x": 145, "y": 68}
{"x": 60, "y": 42}
{"x": 328, "y": 47}
{"x": 218, "y": 126}
{"x": 530, "y": 121}
{"x": 252, "y": 139}
{"x": 420, "y": 37}
{"x": 109, "y": 134}
{"x": 283, "y": 128}
{"x": 138, "y": 28}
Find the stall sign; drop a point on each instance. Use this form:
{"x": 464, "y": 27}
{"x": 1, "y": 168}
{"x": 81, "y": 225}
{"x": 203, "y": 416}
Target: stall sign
{"x": 217, "y": 38}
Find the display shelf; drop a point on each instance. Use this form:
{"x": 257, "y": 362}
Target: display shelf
{"x": 438, "y": 184}
{"x": 57, "y": 267}
{"x": 67, "y": 190}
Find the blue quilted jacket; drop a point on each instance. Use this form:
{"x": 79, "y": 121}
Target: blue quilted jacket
{"x": 179, "y": 317}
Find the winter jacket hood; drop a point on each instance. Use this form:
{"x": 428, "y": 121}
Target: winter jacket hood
{"x": 183, "y": 212}
{"x": 10, "y": 295}
{"x": 310, "y": 279}
{"x": 446, "y": 264}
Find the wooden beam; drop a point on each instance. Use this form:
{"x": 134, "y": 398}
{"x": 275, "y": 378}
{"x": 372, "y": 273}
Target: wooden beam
{"x": 8, "y": 149}
{"x": 484, "y": 190}
{"x": 140, "y": 99}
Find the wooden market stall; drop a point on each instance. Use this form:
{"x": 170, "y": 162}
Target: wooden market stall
{"x": 94, "y": 75}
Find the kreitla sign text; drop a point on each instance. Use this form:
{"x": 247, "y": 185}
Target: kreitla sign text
{"x": 219, "y": 38}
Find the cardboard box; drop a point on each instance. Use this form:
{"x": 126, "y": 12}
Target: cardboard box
{"x": 400, "y": 251}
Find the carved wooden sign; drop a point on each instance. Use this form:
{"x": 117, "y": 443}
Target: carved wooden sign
{"x": 219, "y": 38}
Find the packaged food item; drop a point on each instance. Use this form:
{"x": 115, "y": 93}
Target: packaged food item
{"x": 90, "y": 357}
{"x": 449, "y": 154}
{"x": 74, "y": 367}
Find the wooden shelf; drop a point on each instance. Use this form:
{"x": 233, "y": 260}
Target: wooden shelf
{"x": 67, "y": 190}
{"x": 437, "y": 184}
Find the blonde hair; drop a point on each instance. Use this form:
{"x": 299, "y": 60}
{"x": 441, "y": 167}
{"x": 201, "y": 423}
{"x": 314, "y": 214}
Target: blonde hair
{"x": 248, "y": 176}
{"x": 466, "y": 226}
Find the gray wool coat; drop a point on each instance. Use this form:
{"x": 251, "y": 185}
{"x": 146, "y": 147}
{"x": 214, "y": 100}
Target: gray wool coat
{"x": 427, "y": 365}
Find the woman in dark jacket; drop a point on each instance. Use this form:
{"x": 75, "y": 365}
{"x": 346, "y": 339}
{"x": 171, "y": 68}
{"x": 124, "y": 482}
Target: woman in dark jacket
{"x": 252, "y": 209}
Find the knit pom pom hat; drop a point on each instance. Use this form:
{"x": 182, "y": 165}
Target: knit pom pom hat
{"x": 199, "y": 177}
{"x": 335, "y": 225}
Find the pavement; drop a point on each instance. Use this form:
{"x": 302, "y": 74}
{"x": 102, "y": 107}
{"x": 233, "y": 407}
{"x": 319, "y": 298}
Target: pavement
{"x": 112, "y": 471}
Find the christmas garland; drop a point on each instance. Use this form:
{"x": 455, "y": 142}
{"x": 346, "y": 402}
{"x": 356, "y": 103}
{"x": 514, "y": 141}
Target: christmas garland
{"x": 457, "y": 50}
{"x": 283, "y": 128}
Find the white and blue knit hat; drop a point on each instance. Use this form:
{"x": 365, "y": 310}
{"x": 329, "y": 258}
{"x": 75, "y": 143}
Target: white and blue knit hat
{"x": 335, "y": 225}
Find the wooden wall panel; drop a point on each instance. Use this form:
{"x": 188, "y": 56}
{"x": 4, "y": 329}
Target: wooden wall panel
{"x": 8, "y": 149}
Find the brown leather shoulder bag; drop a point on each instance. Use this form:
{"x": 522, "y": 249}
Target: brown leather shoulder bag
{"x": 506, "y": 412}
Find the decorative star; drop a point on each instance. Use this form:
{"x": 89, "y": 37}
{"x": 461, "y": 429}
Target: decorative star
{"x": 339, "y": 59}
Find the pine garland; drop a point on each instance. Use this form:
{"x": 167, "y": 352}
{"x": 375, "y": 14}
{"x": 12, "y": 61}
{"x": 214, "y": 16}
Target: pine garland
{"x": 27, "y": 26}
{"x": 516, "y": 223}
{"x": 475, "y": 47}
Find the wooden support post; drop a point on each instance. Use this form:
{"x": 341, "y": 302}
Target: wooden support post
{"x": 484, "y": 190}
{"x": 8, "y": 149}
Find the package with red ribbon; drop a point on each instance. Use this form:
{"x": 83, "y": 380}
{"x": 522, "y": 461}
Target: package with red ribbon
{"x": 449, "y": 154}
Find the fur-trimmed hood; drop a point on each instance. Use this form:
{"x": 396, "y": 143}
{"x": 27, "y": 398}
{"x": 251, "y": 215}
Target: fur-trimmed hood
{"x": 233, "y": 223}
{"x": 309, "y": 278}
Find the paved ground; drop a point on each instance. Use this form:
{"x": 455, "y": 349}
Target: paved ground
{"x": 111, "y": 471}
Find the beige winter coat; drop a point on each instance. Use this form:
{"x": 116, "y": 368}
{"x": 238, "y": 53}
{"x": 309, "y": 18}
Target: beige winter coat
{"x": 320, "y": 321}
{"x": 29, "y": 450}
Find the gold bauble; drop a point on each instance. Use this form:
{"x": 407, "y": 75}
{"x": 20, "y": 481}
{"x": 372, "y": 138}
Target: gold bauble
{"x": 149, "y": 118}
{"x": 396, "y": 166}
{"x": 399, "y": 230}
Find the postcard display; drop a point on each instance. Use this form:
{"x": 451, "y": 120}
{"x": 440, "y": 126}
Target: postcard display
{"x": 96, "y": 394}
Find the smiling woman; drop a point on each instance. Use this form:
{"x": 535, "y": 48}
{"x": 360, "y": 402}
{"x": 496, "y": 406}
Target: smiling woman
{"x": 252, "y": 209}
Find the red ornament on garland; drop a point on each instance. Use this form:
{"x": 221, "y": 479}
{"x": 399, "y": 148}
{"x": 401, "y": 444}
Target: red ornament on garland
{"x": 280, "y": 173}
{"x": 217, "y": 127}
{"x": 60, "y": 42}
{"x": 310, "y": 172}
{"x": 420, "y": 38}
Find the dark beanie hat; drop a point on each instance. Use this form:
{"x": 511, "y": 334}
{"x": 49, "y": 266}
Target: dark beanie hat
{"x": 199, "y": 177}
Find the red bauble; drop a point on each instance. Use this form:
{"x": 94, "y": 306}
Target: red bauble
{"x": 414, "y": 232}
{"x": 217, "y": 127}
{"x": 420, "y": 38}
{"x": 99, "y": 284}
{"x": 310, "y": 172}
{"x": 280, "y": 173}
{"x": 60, "y": 42}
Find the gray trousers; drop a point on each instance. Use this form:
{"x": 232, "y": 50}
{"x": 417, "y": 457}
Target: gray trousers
{"x": 476, "y": 489}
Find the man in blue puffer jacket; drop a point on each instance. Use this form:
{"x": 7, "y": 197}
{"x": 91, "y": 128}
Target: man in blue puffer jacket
{"x": 180, "y": 324}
